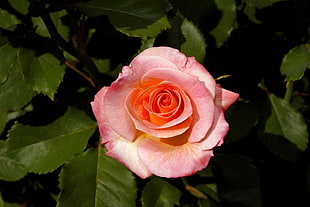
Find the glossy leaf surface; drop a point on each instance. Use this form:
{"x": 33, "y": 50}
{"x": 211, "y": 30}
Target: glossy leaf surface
{"x": 42, "y": 149}
{"x": 194, "y": 44}
{"x": 105, "y": 182}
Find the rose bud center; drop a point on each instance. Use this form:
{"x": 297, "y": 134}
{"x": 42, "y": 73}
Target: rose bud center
{"x": 159, "y": 104}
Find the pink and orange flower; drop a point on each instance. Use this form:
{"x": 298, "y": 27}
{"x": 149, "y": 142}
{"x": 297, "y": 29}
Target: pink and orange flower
{"x": 163, "y": 115}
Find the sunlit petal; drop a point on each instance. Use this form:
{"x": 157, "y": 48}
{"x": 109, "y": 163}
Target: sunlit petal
{"x": 172, "y": 161}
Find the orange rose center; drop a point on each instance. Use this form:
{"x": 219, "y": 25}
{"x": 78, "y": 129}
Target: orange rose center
{"x": 159, "y": 103}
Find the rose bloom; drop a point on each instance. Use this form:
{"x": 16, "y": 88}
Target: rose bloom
{"x": 163, "y": 115}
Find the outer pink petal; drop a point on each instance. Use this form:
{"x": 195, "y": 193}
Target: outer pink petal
{"x": 202, "y": 101}
{"x": 126, "y": 152}
{"x": 169, "y": 54}
{"x": 172, "y": 161}
{"x": 118, "y": 148}
{"x": 106, "y": 131}
{"x": 193, "y": 67}
{"x": 114, "y": 104}
{"x": 160, "y": 57}
{"x": 142, "y": 64}
{"x": 216, "y": 134}
{"x": 225, "y": 98}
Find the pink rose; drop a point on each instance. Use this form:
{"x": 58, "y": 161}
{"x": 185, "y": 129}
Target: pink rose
{"x": 163, "y": 115}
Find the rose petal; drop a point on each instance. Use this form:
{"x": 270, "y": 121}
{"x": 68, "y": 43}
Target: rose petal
{"x": 114, "y": 102}
{"x": 147, "y": 106}
{"x": 142, "y": 64}
{"x": 172, "y": 161}
{"x": 217, "y": 132}
{"x": 106, "y": 131}
{"x": 193, "y": 67}
{"x": 141, "y": 117}
{"x": 165, "y": 132}
{"x": 160, "y": 57}
{"x": 225, "y": 98}
{"x": 126, "y": 152}
{"x": 172, "y": 128}
{"x": 201, "y": 100}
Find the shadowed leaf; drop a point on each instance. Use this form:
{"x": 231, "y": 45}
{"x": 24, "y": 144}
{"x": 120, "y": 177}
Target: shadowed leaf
{"x": 287, "y": 122}
{"x": 159, "y": 193}
{"x": 132, "y": 14}
{"x": 226, "y": 24}
{"x": 295, "y": 62}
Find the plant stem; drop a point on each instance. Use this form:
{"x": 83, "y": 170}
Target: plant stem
{"x": 289, "y": 90}
{"x": 194, "y": 191}
{"x": 69, "y": 65}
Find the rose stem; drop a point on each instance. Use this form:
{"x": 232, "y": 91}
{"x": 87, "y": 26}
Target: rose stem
{"x": 194, "y": 191}
{"x": 289, "y": 91}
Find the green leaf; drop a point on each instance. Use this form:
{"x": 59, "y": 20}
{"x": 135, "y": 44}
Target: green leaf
{"x": 151, "y": 30}
{"x": 3, "y": 146}
{"x": 206, "y": 203}
{"x": 210, "y": 190}
{"x": 11, "y": 204}
{"x": 262, "y": 3}
{"x": 21, "y": 72}
{"x": 40, "y": 27}
{"x": 186, "y": 36}
{"x": 147, "y": 43}
{"x": 12, "y": 115}
{"x": 57, "y": 20}
{"x": 11, "y": 170}
{"x": 287, "y": 122}
{"x": 20, "y": 6}
{"x": 160, "y": 193}
{"x": 207, "y": 172}
{"x": 103, "y": 65}
{"x": 250, "y": 11}
{"x": 174, "y": 36}
{"x": 195, "y": 44}
{"x": 242, "y": 117}
{"x": 116, "y": 185}
{"x": 61, "y": 28}
{"x": 7, "y": 19}
{"x": 131, "y": 14}
{"x": 1, "y": 201}
{"x": 226, "y": 23}
{"x": 81, "y": 171}
{"x": 43, "y": 73}
{"x": 295, "y": 62}
{"x": 14, "y": 83}
{"x": 42, "y": 149}
{"x": 3, "y": 119}
{"x": 240, "y": 180}
{"x": 7, "y": 57}
{"x": 105, "y": 182}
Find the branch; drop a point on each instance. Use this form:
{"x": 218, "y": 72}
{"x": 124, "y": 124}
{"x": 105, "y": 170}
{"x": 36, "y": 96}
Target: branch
{"x": 69, "y": 65}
